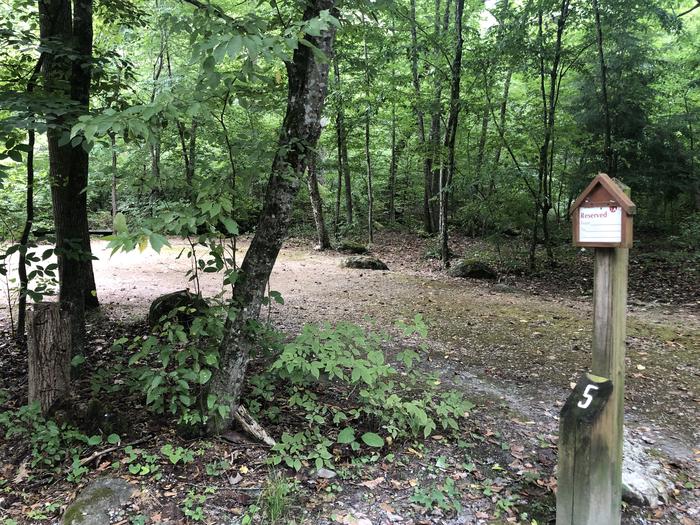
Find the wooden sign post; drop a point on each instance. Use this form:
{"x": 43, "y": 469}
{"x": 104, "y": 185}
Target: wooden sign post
{"x": 591, "y": 423}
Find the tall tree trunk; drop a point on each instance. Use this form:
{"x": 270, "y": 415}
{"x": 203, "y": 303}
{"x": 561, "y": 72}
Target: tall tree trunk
{"x": 549, "y": 104}
{"x": 29, "y": 221}
{"x": 68, "y": 165}
{"x": 342, "y": 136}
{"x": 482, "y": 141}
{"x": 113, "y": 145}
{"x": 324, "y": 242}
{"x": 420, "y": 120}
{"x": 435, "y": 160}
{"x": 448, "y": 167}
{"x": 368, "y": 158}
{"x": 502, "y": 114}
{"x": 608, "y": 151}
{"x": 392, "y": 164}
{"x": 307, "y": 84}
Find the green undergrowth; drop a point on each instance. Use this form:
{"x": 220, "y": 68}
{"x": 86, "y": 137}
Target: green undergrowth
{"x": 335, "y": 394}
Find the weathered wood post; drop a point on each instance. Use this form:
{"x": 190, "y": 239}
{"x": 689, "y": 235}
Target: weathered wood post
{"x": 49, "y": 354}
{"x": 591, "y": 424}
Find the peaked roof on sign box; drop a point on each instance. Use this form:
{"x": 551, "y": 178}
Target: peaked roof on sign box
{"x": 612, "y": 187}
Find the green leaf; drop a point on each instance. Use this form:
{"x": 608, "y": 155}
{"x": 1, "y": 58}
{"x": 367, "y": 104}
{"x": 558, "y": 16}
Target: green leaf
{"x": 113, "y": 439}
{"x": 230, "y": 224}
{"x": 77, "y": 360}
{"x": 204, "y": 376}
{"x": 373, "y": 440}
{"x": 347, "y": 435}
{"x": 211, "y": 400}
{"x": 158, "y": 241}
{"x": 119, "y": 224}
{"x": 234, "y": 46}
{"x": 94, "y": 440}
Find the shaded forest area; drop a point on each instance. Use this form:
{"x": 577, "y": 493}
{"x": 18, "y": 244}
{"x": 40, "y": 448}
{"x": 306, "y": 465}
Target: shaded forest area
{"x": 167, "y": 329}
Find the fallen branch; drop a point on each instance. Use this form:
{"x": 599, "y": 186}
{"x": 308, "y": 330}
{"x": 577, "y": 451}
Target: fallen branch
{"x": 252, "y": 427}
{"x": 101, "y": 453}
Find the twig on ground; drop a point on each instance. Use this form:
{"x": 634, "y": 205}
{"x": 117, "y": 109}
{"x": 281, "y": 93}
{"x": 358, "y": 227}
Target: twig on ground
{"x": 101, "y": 453}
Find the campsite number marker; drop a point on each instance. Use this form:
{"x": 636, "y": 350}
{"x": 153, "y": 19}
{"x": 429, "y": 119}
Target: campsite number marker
{"x": 589, "y": 472}
{"x": 588, "y": 397}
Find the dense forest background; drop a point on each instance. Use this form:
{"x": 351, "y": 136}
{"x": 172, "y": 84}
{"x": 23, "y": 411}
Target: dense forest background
{"x": 184, "y": 116}
{"x": 421, "y": 131}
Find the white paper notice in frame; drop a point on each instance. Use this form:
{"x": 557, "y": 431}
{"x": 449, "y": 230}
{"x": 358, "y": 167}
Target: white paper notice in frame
{"x": 600, "y": 224}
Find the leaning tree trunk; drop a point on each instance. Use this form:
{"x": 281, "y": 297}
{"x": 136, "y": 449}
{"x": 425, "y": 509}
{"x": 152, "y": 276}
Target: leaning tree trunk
{"x": 49, "y": 355}
{"x": 324, "y": 241}
{"x": 67, "y": 77}
{"x": 307, "y": 82}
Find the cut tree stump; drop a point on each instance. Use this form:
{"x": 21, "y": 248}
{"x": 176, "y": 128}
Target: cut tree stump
{"x": 49, "y": 347}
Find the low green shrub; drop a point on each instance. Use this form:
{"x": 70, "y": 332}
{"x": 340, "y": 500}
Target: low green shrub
{"x": 381, "y": 401}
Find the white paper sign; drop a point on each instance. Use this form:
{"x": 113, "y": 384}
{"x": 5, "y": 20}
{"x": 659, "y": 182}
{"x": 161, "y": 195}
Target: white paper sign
{"x": 600, "y": 224}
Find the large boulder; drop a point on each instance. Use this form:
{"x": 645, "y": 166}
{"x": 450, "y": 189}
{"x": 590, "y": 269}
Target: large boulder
{"x": 165, "y": 304}
{"x": 363, "y": 262}
{"x": 472, "y": 269}
{"x": 99, "y": 503}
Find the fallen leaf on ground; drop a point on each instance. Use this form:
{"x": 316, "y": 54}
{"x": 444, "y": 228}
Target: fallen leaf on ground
{"x": 374, "y": 483}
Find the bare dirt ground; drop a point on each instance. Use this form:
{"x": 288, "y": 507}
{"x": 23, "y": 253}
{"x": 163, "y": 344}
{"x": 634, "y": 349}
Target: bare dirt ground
{"x": 532, "y": 346}
{"x": 514, "y": 349}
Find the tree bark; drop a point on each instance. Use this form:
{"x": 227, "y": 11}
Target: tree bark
{"x": 482, "y": 141}
{"x": 342, "y": 137}
{"x": 113, "y": 144}
{"x": 447, "y": 171}
{"x": 434, "y": 161}
{"x": 420, "y": 121}
{"x": 324, "y": 241}
{"x": 67, "y": 75}
{"x": 49, "y": 355}
{"x": 307, "y": 84}
{"x": 549, "y": 105}
{"x": 368, "y": 158}
{"x": 392, "y": 164}
{"x": 502, "y": 115}
{"x": 29, "y": 221}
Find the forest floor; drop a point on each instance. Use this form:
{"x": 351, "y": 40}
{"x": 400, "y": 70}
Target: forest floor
{"x": 513, "y": 347}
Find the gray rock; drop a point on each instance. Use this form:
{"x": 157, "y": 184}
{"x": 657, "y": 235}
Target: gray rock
{"x": 99, "y": 503}
{"x": 164, "y": 304}
{"x": 471, "y": 269}
{"x": 363, "y": 262}
{"x": 325, "y": 473}
{"x": 645, "y": 483}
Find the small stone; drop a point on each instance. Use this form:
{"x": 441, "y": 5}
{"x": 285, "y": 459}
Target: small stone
{"x": 325, "y": 473}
